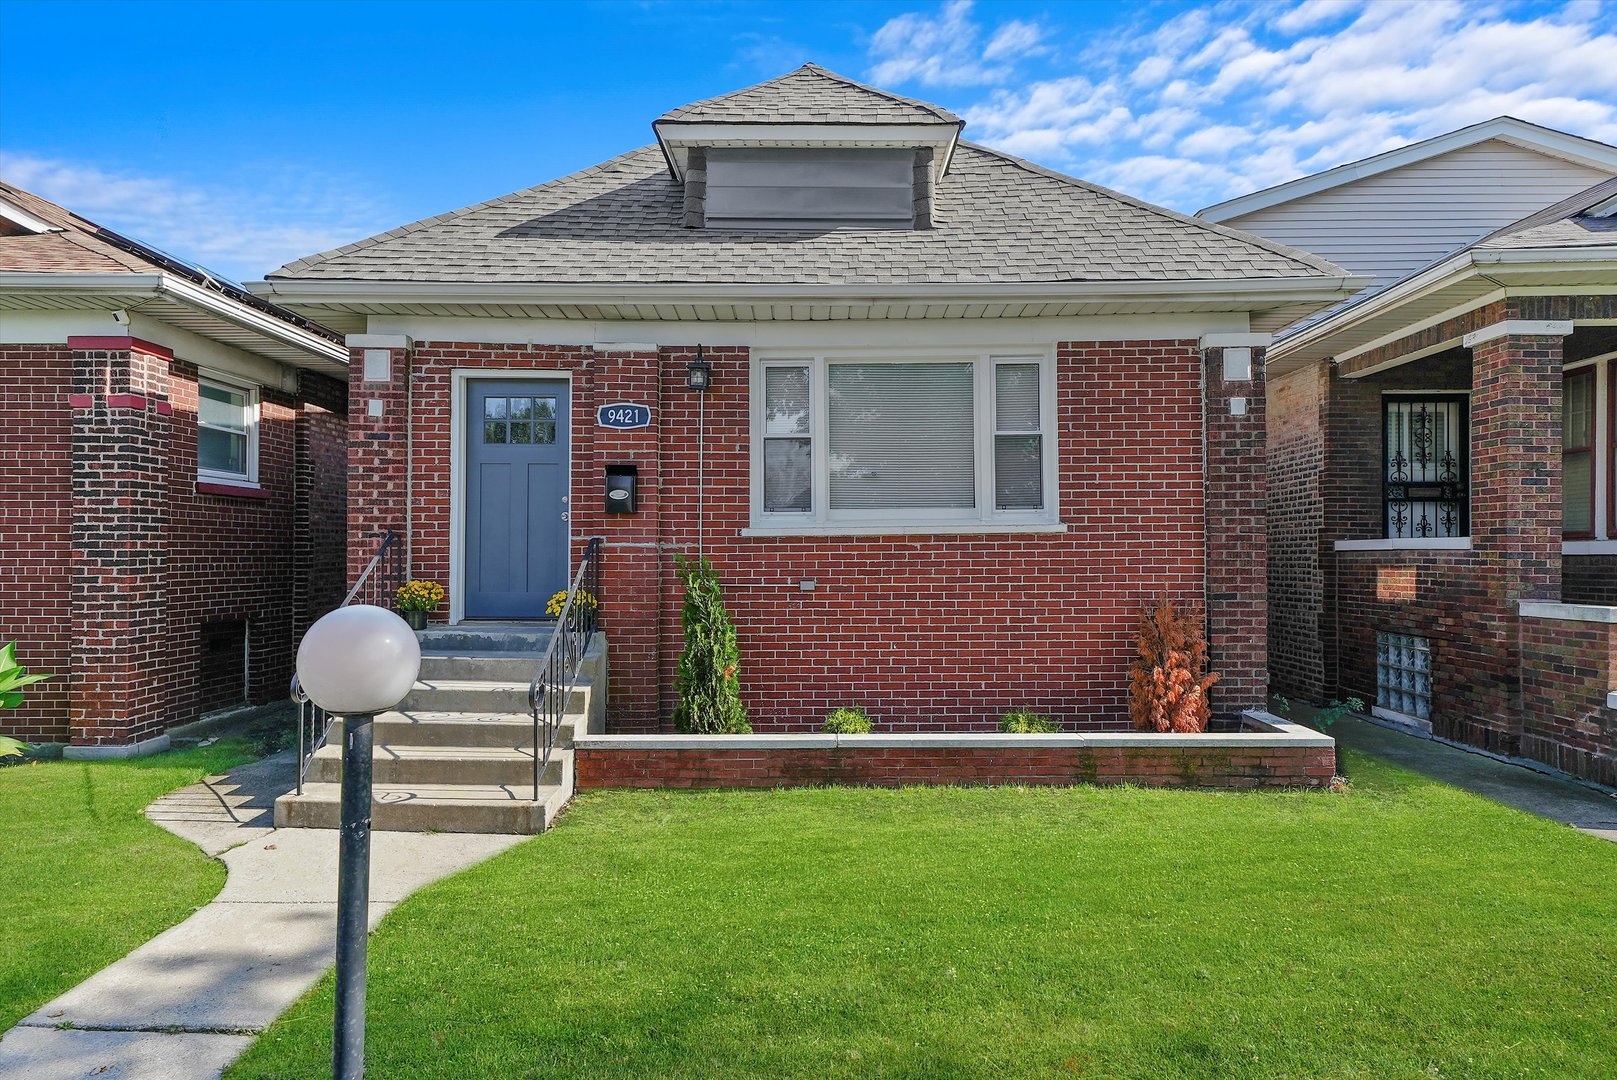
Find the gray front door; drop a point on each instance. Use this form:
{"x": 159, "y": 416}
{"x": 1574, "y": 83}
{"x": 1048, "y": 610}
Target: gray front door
{"x": 516, "y": 496}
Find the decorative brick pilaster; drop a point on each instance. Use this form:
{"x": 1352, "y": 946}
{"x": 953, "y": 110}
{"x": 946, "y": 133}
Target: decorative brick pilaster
{"x": 1516, "y": 463}
{"x": 319, "y": 508}
{"x": 120, "y": 441}
{"x": 378, "y": 446}
{"x": 633, "y": 578}
{"x": 1237, "y": 543}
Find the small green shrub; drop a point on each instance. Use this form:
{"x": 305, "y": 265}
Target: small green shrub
{"x": 1027, "y": 722}
{"x": 847, "y": 721}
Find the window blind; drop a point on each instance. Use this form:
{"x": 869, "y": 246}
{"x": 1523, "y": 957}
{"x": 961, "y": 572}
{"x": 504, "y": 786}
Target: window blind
{"x": 902, "y": 436}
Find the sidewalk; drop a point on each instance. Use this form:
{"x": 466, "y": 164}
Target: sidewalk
{"x": 1585, "y": 808}
{"x": 189, "y": 1002}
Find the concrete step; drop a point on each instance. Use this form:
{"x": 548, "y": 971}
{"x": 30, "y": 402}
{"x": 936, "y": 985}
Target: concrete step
{"x": 464, "y": 765}
{"x": 526, "y": 637}
{"x": 480, "y": 696}
{"x": 483, "y": 808}
{"x": 480, "y": 666}
{"x": 428, "y": 728}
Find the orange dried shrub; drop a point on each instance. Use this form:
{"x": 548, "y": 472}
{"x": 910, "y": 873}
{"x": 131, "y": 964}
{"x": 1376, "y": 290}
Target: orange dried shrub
{"x": 1168, "y": 679}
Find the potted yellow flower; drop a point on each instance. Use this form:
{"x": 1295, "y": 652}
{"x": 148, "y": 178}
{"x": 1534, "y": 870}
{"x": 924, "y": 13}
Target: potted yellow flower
{"x": 417, "y": 599}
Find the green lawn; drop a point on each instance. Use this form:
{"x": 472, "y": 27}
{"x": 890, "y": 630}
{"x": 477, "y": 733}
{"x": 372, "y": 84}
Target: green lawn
{"x": 1403, "y": 929}
{"x": 84, "y": 878}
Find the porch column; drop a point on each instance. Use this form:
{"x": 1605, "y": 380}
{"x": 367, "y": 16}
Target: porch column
{"x": 1236, "y": 510}
{"x": 1516, "y": 456}
{"x": 378, "y": 444}
{"x": 117, "y": 695}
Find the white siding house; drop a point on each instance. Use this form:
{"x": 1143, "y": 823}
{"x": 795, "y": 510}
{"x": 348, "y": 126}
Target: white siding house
{"x": 1390, "y": 215}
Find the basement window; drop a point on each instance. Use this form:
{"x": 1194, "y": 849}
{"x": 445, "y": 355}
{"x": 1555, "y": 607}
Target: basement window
{"x": 227, "y": 432}
{"x": 798, "y": 188}
{"x": 1404, "y": 674}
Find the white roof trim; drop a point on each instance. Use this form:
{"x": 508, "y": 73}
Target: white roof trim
{"x": 677, "y": 137}
{"x": 13, "y": 212}
{"x": 180, "y": 291}
{"x": 1573, "y": 148}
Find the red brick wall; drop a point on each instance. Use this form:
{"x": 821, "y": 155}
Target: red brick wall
{"x": 1296, "y": 457}
{"x": 1589, "y": 579}
{"x": 1237, "y": 508}
{"x": 121, "y": 556}
{"x": 1567, "y": 670}
{"x": 35, "y": 553}
{"x": 708, "y": 767}
{"x": 925, "y": 631}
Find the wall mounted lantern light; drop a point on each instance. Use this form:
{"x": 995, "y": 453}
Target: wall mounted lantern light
{"x": 698, "y": 373}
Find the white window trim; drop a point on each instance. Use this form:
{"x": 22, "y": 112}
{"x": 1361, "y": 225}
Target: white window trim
{"x": 251, "y": 392}
{"x": 1605, "y": 531}
{"x": 983, "y": 519}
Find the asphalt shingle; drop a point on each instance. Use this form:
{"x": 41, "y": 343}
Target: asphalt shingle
{"x": 810, "y": 95}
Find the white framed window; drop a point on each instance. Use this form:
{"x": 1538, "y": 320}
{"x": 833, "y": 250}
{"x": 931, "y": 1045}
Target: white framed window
{"x": 227, "y": 431}
{"x": 862, "y": 442}
{"x": 1404, "y": 674}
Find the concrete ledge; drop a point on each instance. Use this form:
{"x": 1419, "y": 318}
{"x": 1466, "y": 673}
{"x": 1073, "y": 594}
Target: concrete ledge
{"x": 1413, "y": 543}
{"x": 1590, "y": 613}
{"x": 125, "y": 750}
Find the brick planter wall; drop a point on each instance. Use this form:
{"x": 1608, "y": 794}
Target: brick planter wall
{"x": 1568, "y": 667}
{"x": 966, "y": 626}
{"x": 1298, "y": 759}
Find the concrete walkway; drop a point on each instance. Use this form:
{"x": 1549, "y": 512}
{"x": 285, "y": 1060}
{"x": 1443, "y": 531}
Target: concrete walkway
{"x": 189, "y": 1002}
{"x": 1585, "y": 808}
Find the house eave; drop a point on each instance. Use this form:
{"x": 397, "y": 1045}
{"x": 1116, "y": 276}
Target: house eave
{"x": 172, "y": 299}
{"x": 1464, "y": 280}
{"x": 677, "y": 137}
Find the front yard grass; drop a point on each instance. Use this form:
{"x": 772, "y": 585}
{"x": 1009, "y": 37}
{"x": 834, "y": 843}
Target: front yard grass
{"x": 84, "y": 877}
{"x": 1402, "y": 929}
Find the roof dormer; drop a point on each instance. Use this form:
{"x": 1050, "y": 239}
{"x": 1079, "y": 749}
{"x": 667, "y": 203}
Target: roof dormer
{"x": 809, "y": 150}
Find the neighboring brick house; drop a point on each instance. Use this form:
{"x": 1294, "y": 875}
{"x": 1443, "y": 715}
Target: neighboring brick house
{"x": 173, "y": 471}
{"x": 1442, "y": 474}
{"x": 967, "y": 416}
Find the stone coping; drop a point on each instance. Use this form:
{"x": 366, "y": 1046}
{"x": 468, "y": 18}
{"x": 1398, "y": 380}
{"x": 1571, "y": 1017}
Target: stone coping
{"x": 1545, "y": 609}
{"x": 1273, "y": 732}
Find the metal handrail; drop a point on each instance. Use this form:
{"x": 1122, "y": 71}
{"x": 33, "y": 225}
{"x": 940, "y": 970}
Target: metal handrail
{"x": 375, "y": 587}
{"x": 557, "y": 676}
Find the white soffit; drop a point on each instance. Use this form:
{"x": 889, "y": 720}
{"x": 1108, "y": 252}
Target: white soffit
{"x": 679, "y": 137}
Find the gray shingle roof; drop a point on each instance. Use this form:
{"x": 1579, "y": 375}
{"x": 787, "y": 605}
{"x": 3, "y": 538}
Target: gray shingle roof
{"x": 1562, "y": 225}
{"x": 997, "y": 220}
{"x": 810, "y": 95}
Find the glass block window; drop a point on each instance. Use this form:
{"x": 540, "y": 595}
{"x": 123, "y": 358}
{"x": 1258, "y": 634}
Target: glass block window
{"x": 1425, "y": 445}
{"x": 1404, "y": 674}
{"x": 227, "y": 435}
{"x": 528, "y": 420}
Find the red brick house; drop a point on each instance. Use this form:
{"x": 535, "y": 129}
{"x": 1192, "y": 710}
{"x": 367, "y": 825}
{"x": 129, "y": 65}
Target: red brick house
{"x": 967, "y": 415}
{"x": 173, "y": 475}
{"x": 1443, "y": 471}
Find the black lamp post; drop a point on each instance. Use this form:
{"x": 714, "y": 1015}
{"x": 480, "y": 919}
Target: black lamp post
{"x": 355, "y": 662}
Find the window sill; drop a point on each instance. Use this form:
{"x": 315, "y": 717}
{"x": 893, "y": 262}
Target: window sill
{"x": 1589, "y": 547}
{"x": 1442, "y": 543}
{"x": 232, "y": 491}
{"x": 949, "y": 528}
{"x": 1403, "y": 720}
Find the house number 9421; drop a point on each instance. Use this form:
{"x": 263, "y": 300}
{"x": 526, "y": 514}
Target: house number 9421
{"x": 623, "y": 415}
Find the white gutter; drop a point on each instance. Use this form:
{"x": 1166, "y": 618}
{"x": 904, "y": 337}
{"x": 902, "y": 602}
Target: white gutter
{"x": 180, "y": 291}
{"x": 314, "y": 291}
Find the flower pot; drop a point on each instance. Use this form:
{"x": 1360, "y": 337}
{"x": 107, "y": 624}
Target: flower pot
{"x": 416, "y": 619}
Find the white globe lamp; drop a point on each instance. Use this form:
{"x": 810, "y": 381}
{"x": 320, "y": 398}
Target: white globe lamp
{"x": 358, "y": 659}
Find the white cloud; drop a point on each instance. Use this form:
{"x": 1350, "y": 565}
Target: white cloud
{"x": 241, "y": 234}
{"x": 1226, "y": 98}
{"x": 943, "y": 50}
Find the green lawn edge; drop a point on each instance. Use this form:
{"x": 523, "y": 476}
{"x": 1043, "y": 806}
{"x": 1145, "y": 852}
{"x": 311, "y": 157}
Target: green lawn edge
{"x": 84, "y": 876}
{"x": 1402, "y": 929}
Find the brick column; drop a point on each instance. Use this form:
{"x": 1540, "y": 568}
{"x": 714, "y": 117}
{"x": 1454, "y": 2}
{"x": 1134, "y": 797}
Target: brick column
{"x": 117, "y": 700}
{"x": 632, "y": 580}
{"x": 1516, "y": 459}
{"x": 1237, "y": 544}
{"x": 319, "y": 509}
{"x": 378, "y": 444}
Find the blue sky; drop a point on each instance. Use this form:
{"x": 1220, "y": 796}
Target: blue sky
{"x": 247, "y": 134}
